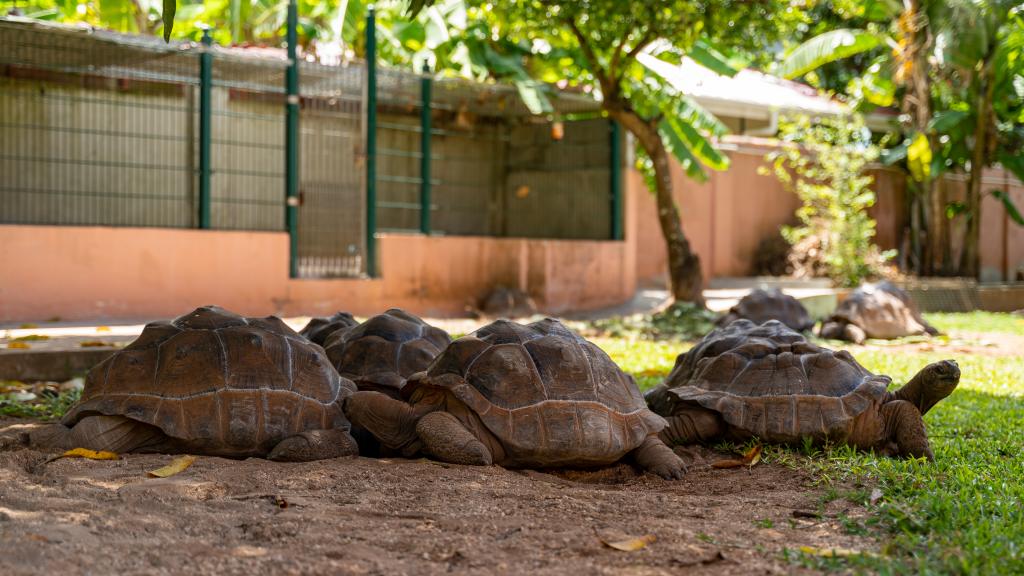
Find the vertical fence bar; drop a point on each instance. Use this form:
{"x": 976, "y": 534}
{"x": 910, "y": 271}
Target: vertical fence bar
{"x": 291, "y": 169}
{"x": 205, "y": 125}
{"x": 615, "y": 151}
{"x": 371, "y": 142}
{"x": 425, "y": 98}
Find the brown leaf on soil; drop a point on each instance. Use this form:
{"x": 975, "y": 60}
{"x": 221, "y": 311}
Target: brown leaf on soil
{"x": 103, "y": 328}
{"x": 176, "y": 466}
{"x": 18, "y": 345}
{"x": 628, "y": 544}
{"x": 85, "y": 453}
{"x": 753, "y": 456}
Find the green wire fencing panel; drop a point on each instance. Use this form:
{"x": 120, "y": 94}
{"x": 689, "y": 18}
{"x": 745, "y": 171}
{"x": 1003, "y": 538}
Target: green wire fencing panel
{"x": 94, "y": 131}
{"x": 247, "y": 142}
{"x": 495, "y": 168}
{"x": 331, "y": 222}
{"x": 559, "y": 188}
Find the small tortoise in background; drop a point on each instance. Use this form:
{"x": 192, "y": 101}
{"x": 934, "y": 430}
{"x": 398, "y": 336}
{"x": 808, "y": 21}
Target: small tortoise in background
{"x": 762, "y": 305}
{"x": 769, "y": 381}
{"x": 383, "y": 352}
{"x": 212, "y": 382}
{"x": 318, "y": 330}
{"x": 517, "y": 395}
{"x": 875, "y": 311}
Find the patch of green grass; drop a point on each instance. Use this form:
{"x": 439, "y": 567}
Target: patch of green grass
{"x": 44, "y": 407}
{"x": 994, "y": 322}
{"x": 680, "y": 321}
{"x": 963, "y": 513}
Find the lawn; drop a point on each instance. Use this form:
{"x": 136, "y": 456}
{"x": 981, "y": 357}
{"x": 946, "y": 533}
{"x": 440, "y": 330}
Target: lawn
{"x": 962, "y": 514}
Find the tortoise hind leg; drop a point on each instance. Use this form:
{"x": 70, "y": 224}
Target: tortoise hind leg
{"x": 692, "y": 425}
{"x": 654, "y": 456}
{"x": 315, "y": 445}
{"x": 904, "y": 426}
{"x": 109, "y": 433}
{"x": 445, "y": 438}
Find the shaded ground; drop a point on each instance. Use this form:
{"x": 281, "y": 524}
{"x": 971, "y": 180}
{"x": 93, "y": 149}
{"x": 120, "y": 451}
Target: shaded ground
{"x": 364, "y": 516}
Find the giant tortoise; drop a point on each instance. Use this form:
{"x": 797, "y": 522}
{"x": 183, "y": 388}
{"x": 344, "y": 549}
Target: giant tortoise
{"x": 318, "y": 330}
{"x": 879, "y": 310}
{"x": 760, "y": 306}
{"x": 535, "y": 395}
{"x": 383, "y": 352}
{"x": 213, "y": 382}
{"x": 768, "y": 381}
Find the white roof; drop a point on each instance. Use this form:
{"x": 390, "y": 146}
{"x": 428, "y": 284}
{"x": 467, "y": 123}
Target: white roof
{"x": 749, "y": 94}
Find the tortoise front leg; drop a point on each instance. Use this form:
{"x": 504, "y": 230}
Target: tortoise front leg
{"x": 904, "y": 426}
{"x": 692, "y": 425}
{"x": 445, "y": 438}
{"x": 391, "y": 421}
{"x": 655, "y": 457}
{"x": 315, "y": 445}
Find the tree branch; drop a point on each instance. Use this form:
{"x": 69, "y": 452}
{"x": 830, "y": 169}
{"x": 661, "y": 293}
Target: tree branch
{"x": 588, "y": 50}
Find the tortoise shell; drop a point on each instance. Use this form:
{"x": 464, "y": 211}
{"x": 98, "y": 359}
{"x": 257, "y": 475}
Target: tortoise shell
{"x": 318, "y": 330}
{"x": 761, "y": 306}
{"x": 219, "y": 383}
{"x": 383, "y": 352}
{"x": 883, "y": 311}
{"x": 769, "y": 381}
{"x": 545, "y": 393}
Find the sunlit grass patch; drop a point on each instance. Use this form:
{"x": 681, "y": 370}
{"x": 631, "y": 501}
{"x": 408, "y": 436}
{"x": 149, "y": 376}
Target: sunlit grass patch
{"x": 993, "y": 322}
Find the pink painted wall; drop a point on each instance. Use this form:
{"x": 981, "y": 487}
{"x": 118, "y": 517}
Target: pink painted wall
{"x": 79, "y": 273}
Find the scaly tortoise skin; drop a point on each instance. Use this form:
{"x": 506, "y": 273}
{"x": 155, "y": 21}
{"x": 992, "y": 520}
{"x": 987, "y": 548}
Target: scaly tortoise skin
{"x": 318, "y": 330}
{"x": 383, "y": 352}
{"x": 213, "y": 382}
{"x": 768, "y": 381}
{"x": 880, "y": 310}
{"x": 762, "y": 305}
{"x": 535, "y": 395}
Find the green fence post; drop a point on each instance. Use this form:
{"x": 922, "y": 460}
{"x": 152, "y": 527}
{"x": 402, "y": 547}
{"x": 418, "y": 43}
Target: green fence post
{"x": 615, "y": 149}
{"x": 291, "y": 169}
{"x": 371, "y": 142}
{"x": 425, "y": 150}
{"x": 205, "y": 89}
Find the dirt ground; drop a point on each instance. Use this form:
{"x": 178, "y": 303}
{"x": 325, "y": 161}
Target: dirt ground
{"x": 395, "y": 516}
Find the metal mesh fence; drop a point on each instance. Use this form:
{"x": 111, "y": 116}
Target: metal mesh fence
{"x": 100, "y": 128}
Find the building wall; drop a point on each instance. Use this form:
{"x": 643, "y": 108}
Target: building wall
{"x": 725, "y": 218}
{"x": 80, "y": 273}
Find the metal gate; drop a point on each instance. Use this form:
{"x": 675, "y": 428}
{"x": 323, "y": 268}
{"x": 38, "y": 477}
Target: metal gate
{"x": 331, "y": 223}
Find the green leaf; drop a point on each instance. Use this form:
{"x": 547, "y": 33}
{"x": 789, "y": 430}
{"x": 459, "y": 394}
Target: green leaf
{"x": 532, "y": 93}
{"x": 893, "y": 155}
{"x": 1014, "y": 163}
{"x": 705, "y": 55}
{"x": 827, "y": 47}
{"x": 1018, "y": 85}
{"x": 700, "y": 146}
{"x": 1011, "y": 208}
{"x": 677, "y": 148}
{"x": 170, "y": 7}
{"x": 946, "y": 120}
{"x": 919, "y": 158}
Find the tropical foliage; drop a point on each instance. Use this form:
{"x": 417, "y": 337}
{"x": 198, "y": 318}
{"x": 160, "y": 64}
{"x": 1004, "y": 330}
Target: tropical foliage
{"x": 824, "y": 162}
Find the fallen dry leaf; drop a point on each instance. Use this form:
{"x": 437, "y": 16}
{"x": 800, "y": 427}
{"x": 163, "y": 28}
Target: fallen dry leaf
{"x": 627, "y": 544}
{"x": 753, "y": 456}
{"x": 103, "y": 328}
{"x": 94, "y": 344}
{"x": 28, "y": 326}
{"x": 16, "y": 345}
{"x": 176, "y": 466}
{"x": 31, "y": 337}
{"x": 86, "y": 453}
{"x": 833, "y": 552}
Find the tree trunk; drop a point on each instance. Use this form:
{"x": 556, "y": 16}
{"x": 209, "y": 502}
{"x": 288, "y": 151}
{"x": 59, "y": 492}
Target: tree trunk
{"x": 685, "y": 276}
{"x": 969, "y": 258}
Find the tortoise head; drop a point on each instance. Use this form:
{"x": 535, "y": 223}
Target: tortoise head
{"x": 933, "y": 383}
